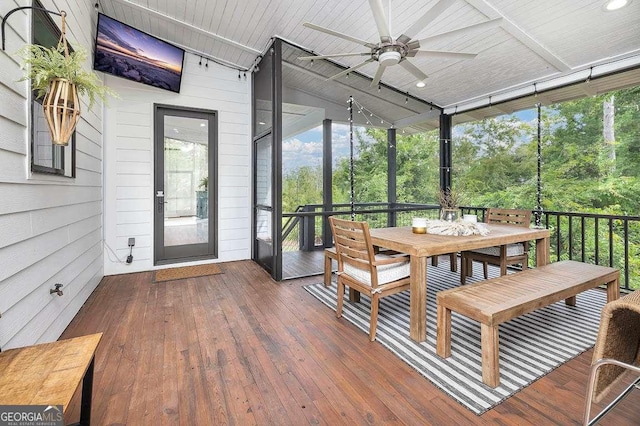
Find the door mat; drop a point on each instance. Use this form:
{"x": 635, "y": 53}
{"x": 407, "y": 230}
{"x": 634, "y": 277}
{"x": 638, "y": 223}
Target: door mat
{"x": 185, "y": 272}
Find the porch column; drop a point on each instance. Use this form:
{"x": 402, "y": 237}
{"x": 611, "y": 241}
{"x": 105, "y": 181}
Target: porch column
{"x": 392, "y": 196}
{"x": 327, "y": 181}
{"x": 445, "y": 151}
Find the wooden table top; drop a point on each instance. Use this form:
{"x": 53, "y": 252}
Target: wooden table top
{"x": 45, "y": 374}
{"x": 404, "y": 240}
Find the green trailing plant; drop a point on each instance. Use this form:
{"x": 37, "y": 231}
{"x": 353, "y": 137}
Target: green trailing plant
{"x": 43, "y": 64}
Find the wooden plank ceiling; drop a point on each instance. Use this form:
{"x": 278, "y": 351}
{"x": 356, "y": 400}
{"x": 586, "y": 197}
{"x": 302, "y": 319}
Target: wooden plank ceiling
{"x": 538, "y": 44}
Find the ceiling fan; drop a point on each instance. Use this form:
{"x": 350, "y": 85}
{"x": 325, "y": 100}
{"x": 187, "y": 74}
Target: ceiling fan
{"x": 389, "y": 51}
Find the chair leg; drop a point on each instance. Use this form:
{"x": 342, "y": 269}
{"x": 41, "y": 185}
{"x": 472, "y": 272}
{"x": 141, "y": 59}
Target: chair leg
{"x": 340, "y": 297}
{"x": 453, "y": 261}
{"x": 375, "y": 301}
{"x": 327, "y": 271}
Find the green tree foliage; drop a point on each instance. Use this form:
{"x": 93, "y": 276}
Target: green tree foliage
{"x": 495, "y": 165}
{"x": 301, "y": 187}
{"x": 493, "y": 162}
{"x": 370, "y": 169}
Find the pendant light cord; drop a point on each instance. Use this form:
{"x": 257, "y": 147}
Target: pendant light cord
{"x": 351, "y": 175}
{"x": 539, "y": 183}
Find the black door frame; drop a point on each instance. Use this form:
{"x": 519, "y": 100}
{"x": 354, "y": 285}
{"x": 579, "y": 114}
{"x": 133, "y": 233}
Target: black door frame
{"x": 174, "y": 254}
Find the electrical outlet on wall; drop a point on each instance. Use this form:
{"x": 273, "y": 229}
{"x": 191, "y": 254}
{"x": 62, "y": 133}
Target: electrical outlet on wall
{"x": 132, "y": 242}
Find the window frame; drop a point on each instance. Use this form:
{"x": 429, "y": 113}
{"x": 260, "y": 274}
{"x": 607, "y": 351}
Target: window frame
{"x": 42, "y": 20}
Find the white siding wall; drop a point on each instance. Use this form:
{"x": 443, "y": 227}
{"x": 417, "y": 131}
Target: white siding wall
{"x": 129, "y": 161}
{"x": 50, "y": 227}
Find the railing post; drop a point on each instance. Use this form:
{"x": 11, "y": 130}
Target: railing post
{"x": 308, "y": 230}
{"x": 327, "y": 183}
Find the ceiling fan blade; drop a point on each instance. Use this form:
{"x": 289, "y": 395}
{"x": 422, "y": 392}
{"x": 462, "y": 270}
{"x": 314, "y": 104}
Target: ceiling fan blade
{"x": 442, "y": 54}
{"x": 378, "y": 76}
{"x": 482, "y": 25}
{"x": 348, "y": 70}
{"x": 332, "y": 55}
{"x": 381, "y": 20}
{"x": 413, "y": 70}
{"x": 337, "y": 34}
{"x": 426, "y": 19}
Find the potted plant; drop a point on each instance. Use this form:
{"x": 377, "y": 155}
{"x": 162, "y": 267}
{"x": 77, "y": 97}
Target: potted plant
{"x": 58, "y": 77}
{"x": 449, "y": 201}
{"x": 204, "y": 183}
{"x": 202, "y": 199}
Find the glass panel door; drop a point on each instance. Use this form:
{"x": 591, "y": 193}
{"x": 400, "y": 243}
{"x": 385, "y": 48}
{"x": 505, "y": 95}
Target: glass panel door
{"x": 263, "y": 185}
{"x": 185, "y": 184}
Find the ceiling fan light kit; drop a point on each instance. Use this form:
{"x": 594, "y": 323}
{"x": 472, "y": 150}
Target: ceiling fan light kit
{"x": 389, "y": 51}
{"x": 389, "y": 58}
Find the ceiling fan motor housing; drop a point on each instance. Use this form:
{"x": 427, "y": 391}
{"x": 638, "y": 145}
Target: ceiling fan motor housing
{"x": 389, "y": 58}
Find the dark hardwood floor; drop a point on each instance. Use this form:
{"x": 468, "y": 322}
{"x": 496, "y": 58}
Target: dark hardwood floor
{"x": 239, "y": 348}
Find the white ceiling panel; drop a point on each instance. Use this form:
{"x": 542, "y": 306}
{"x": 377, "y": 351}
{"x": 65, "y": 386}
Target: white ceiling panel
{"x": 537, "y": 41}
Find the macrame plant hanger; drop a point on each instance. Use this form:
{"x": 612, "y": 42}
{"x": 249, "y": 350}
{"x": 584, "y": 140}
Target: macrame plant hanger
{"x": 61, "y": 105}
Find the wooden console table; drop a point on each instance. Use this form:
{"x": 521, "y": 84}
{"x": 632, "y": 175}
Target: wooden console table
{"x": 50, "y": 373}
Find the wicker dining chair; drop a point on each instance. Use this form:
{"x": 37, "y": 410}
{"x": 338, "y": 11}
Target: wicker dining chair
{"x": 361, "y": 269}
{"x": 504, "y": 255}
{"x": 616, "y": 354}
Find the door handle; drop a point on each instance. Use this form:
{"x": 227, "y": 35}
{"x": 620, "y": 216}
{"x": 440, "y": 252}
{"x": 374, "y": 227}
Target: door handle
{"x": 160, "y": 201}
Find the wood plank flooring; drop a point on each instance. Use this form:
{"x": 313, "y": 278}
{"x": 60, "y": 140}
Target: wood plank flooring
{"x": 238, "y": 348}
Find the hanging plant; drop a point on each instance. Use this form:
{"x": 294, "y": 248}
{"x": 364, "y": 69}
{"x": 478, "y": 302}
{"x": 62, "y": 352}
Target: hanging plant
{"x": 58, "y": 77}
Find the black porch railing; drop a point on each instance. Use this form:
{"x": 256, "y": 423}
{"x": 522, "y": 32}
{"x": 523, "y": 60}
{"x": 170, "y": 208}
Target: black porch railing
{"x": 611, "y": 240}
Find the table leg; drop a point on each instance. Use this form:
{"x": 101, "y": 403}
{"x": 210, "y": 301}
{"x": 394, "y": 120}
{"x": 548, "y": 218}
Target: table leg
{"x": 418, "y": 297}
{"x": 354, "y": 295}
{"x": 613, "y": 290}
{"x": 490, "y": 355}
{"x": 87, "y": 389}
{"x": 542, "y": 251}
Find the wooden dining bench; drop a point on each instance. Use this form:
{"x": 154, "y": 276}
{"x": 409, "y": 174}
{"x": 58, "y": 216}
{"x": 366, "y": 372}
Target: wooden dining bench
{"x": 494, "y": 301}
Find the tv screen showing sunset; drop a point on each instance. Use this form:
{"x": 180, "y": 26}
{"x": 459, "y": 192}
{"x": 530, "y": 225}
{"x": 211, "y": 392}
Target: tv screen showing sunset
{"x": 129, "y": 53}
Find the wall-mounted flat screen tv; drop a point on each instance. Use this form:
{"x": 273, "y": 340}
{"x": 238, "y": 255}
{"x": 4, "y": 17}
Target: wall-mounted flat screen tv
{"x": 129, "y": 53}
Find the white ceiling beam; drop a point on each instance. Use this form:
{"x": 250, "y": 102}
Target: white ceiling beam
{"x": 346, "y": 86}
{"x": 508, "y": 25}
{"x": 295, "y": 126}
{"x": 419, "y": 118}
{"x": 530, "y": 88}
{"x": 189, "y": 26}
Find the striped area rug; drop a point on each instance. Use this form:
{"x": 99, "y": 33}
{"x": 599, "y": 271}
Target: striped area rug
{"x": 530, "y": 346}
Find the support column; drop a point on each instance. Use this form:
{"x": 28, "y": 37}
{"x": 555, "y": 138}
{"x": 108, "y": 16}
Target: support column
{"x": 392, "y": 196}
{"x": 327, "y": 181}
{"x": 445, "y": 151}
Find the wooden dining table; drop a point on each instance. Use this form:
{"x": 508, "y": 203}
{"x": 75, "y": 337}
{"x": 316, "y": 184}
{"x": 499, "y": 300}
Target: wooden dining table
{"x": 422, "y": 246}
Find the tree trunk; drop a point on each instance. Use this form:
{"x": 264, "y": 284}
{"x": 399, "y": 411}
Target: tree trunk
{"x": 608, "y": 130}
